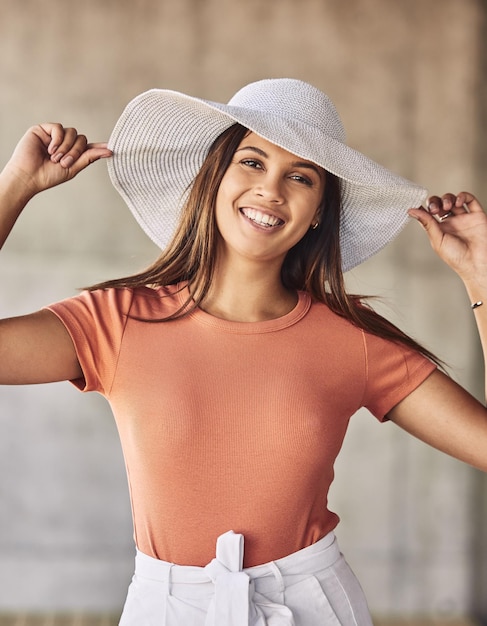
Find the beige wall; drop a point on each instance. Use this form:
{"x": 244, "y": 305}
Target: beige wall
{"x": 406, "y": 76}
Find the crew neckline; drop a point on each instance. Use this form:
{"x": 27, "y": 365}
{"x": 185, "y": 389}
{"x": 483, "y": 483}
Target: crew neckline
{"x": 248, "y": 328}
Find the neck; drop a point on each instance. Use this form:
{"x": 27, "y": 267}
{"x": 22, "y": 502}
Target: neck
{"x": 248, "y": 293}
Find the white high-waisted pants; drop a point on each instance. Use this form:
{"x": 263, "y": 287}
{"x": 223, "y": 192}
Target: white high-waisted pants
{"x": 311, "y": 587}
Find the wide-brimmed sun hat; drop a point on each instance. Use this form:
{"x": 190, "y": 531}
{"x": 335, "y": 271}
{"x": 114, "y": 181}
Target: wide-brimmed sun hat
{"x": 162, "y": 138}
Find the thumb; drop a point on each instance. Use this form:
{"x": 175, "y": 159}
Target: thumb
{"x": 92, "y": 153}
{"x": 429, "y": 223}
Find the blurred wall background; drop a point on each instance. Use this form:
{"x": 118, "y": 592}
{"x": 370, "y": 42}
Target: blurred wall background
{"x": 408, "y": 77}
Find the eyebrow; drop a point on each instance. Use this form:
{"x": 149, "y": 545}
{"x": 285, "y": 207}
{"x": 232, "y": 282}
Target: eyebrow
{"x": 306, "y": 164}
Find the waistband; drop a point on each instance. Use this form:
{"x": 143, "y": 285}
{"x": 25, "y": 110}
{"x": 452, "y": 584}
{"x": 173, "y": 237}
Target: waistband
{"x": 237, "y": 590}
{"x": 229, "y": 552}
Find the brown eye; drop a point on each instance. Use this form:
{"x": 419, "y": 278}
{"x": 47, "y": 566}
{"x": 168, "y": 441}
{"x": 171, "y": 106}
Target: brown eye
{"x": 251, "y": 163}
{"x": 302, "y": 179}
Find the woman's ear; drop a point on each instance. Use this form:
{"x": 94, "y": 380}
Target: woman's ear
{"x": 316, "y": 219}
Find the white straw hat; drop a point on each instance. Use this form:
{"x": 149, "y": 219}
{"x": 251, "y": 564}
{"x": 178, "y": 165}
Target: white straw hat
{"x": 162, "y": 138}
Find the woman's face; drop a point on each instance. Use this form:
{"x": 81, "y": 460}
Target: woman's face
{"x": 267, "y": 200}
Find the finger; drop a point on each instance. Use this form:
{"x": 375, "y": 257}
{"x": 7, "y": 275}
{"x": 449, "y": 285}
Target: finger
{"x": 425, "y": 218}
{"x": 100, "y": 144}
{"x": 95, "y": 151}
{"x": 441, "y": 208}
{"x": 430, "y": 224}
{"x": 92, "y": 153}
{"x": 449, "y": 204}
{"x": 52, "y": 134}
{"x": 435, "y": 205}
{"x": 72, "y": 146}
{"x": 446, "y": 206}
{"x": 469, "y": 201}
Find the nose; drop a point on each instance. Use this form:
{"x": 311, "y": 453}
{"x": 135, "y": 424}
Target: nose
{"x": 270, "y": 187}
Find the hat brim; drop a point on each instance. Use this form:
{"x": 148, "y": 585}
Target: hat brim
{"x": 162, "y": 138}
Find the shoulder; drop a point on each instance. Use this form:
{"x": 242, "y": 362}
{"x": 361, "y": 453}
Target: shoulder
{"x": 379, "y": 340}
{"x": 123, "y": 302}
{"x": 394, "y": 365}
{"x": 321, "y": 316}
{"x": 158, "y": 302}
{"x": 100, "y": 301}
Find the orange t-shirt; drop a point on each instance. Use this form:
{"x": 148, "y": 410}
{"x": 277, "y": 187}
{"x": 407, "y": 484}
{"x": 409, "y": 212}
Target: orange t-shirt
{"x": 231, "y": 425}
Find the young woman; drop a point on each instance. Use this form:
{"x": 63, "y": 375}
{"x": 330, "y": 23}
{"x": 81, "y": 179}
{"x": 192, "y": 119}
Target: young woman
{"x": 233, "y": 363}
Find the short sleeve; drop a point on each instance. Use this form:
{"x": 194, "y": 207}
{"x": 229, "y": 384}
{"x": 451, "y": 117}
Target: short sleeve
{"x": 393, "y": 371}
{"x": 96, "y": 322}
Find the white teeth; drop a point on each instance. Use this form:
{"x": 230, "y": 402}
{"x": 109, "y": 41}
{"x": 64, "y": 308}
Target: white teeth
{"x": 261, "y": 218}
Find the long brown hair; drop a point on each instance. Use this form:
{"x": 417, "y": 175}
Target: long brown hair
{"x": 312, "y": 265}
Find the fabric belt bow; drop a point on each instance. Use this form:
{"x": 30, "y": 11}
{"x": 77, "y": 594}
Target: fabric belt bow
{"x": 235, "y": 603}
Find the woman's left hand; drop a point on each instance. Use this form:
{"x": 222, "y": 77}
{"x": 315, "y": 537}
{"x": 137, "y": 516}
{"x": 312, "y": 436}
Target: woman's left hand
{"x": 456, "y": 226}
{"x": 439, "y": 411}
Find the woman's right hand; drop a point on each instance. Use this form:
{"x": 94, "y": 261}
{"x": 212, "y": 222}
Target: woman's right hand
{"x": 48, "y": 155}
{"x": 37, "y": 348}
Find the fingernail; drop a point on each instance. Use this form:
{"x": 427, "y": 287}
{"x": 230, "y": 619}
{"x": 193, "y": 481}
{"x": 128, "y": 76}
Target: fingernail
{"x": 57, "y": 157}
{"x": 67, "y": 161}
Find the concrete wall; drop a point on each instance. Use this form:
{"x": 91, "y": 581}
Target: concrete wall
{"x": 408, "y": 79}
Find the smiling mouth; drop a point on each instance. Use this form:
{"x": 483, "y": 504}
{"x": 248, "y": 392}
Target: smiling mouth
{"x": 262, "y": 219}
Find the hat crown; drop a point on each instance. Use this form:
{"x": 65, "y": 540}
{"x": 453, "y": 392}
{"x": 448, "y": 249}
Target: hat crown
{"x": 294, "y": 100}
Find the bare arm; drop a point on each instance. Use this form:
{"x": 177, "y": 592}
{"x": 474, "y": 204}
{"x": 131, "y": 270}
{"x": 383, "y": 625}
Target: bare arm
{"x": 37, "y": 348}
{"x": 440, "y": 412}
